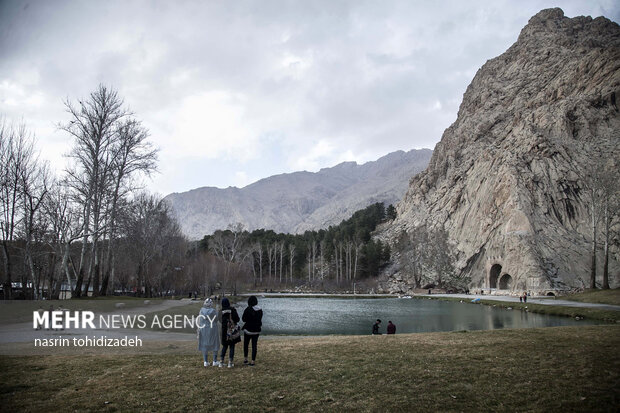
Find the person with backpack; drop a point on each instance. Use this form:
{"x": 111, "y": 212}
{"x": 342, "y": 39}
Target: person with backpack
{"x": 231, "y": 333}
{"x": 208, "y": 337}
{"x": 252, "y": 317}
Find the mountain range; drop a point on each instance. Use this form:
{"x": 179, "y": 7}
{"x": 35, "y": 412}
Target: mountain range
{"x": 299, "y": 201}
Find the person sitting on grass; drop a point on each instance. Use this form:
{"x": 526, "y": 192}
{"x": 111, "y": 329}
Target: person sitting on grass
{"x": 208, "y": 334}
{"x": 391, "y": 328}
{"x": 252, "y": 317}
{"x": 375, "y": 327}
{"x": 229, "y": 318}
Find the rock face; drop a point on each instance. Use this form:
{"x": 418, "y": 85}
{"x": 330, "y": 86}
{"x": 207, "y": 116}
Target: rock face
{"x": 508, "y": 178}
{"x": 299, "y": 201}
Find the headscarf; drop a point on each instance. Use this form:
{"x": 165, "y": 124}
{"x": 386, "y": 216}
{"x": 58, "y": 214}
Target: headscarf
{"x": 252, "y": 301}
{"x": 225, "y": 303}
{"x": 208, "y": 303}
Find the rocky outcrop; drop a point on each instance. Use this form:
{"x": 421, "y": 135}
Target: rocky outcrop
{"x": 299, "y": 201}
{"x": 507, "y": 180}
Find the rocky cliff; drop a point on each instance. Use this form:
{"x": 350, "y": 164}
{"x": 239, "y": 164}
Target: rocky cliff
{"x": 508, "y": 179}
{"x": 299, "y": 201}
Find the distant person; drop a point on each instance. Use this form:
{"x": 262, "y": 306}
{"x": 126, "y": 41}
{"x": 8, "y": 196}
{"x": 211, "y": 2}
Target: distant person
{"x": 208, "y": 334}
{"x": 375, "y": 327}
{"x": 229, "y": 318}
{"x": 391, "y": 328}
{"x": 520, "y": 298}
{"x": 525, "y": 297}
{"x": 252, "y": 317}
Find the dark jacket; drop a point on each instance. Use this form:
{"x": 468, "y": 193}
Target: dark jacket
{"x": 375, "y": 328}
{"x": 252, "y": 317}
{"x": 227, "y": 313}
{"x": 391, "y": 328}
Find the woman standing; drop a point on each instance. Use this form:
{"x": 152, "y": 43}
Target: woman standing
{"x": 229, "y": 318}
{"x": 208, "y": 334}
{"x": 252, "y": 317}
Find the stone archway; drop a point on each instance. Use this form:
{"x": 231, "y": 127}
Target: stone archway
{"x": 505, "y": 282}
{"x": 494, "y": 273}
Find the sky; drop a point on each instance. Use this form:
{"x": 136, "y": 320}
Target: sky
{"x": 235, "y": 91}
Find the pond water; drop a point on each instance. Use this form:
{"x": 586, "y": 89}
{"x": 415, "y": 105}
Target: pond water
{"x": 323, "y": 316}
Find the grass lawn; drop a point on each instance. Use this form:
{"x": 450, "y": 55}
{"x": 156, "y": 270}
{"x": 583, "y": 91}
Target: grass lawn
{"x": 611, "y": 297}
{"x": 550, "y": 369}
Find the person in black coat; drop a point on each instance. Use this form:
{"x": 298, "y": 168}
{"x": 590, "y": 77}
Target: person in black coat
{"x": 252, "y": 317}
{"x": 229, "y": 315}
{"x": 375, "y": 327}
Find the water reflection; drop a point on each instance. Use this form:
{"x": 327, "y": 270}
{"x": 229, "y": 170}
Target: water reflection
{"x": 319, "y": 316}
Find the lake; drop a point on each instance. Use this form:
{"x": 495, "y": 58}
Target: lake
{"x": 324, "y": 316}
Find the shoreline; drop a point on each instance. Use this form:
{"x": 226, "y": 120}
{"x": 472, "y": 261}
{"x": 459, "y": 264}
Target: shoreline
{"x": 563, "y": 308}
{"x": 536, "y": 304}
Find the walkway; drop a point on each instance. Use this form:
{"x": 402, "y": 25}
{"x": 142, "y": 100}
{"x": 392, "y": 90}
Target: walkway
{"x": 532, "y": 300}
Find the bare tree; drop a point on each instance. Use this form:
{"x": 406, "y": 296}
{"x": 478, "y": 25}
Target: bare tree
{"x": 414, "y": 253}
{"x": 610, "y": 209}
{"x": 336, "y": 262}
{"x": 35, "y": 187}
{"x": 230, "y": 246}
{"x": 291, "y": 257}
{"x": 600, "y": 180}
{"x": 258, "y": 248}
{"x": 65, "y": 228}
{"x": 357, "y": 247}
{"x": 314, "y": 250}
{"x": 281, "y": 259}
{"x": 150, "y": 229}
{"x": 93, "y": 125}
{"x": 594, "y": 195}
{"x": 17, "y": 166}
{"x": 132, "y": 154}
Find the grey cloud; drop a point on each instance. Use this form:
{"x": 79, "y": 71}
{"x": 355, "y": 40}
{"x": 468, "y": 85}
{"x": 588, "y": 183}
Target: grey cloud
{"x": 366, "y": 78}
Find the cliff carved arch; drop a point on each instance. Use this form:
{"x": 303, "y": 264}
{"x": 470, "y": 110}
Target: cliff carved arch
{"x": 505, "y": 282}
{"x": 494, "y": 273}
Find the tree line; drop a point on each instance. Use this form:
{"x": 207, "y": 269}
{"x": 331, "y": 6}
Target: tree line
{"x": 339, "y": 254}
{"x": 93, "y": 229}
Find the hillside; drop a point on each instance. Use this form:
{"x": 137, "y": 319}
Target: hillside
{"x": 510, "y": 178}
{"x": 299, "y": 201}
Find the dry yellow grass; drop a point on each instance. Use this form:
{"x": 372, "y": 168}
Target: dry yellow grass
{"x": 552, "y": 369}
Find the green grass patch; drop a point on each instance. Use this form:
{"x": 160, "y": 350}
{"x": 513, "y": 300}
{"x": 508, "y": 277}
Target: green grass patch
{"x": 611, "y": 297}
{"x": 551, "y": 369}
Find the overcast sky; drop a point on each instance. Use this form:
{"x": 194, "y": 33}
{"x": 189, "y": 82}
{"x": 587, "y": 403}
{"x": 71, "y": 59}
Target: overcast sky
{"x": 235, "y": 91}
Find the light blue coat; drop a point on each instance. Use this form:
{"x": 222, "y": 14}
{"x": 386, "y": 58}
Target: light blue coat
{"x": 208, "y": 332}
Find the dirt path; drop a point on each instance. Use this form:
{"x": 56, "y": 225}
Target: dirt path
{"x": 533, "y": 300}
